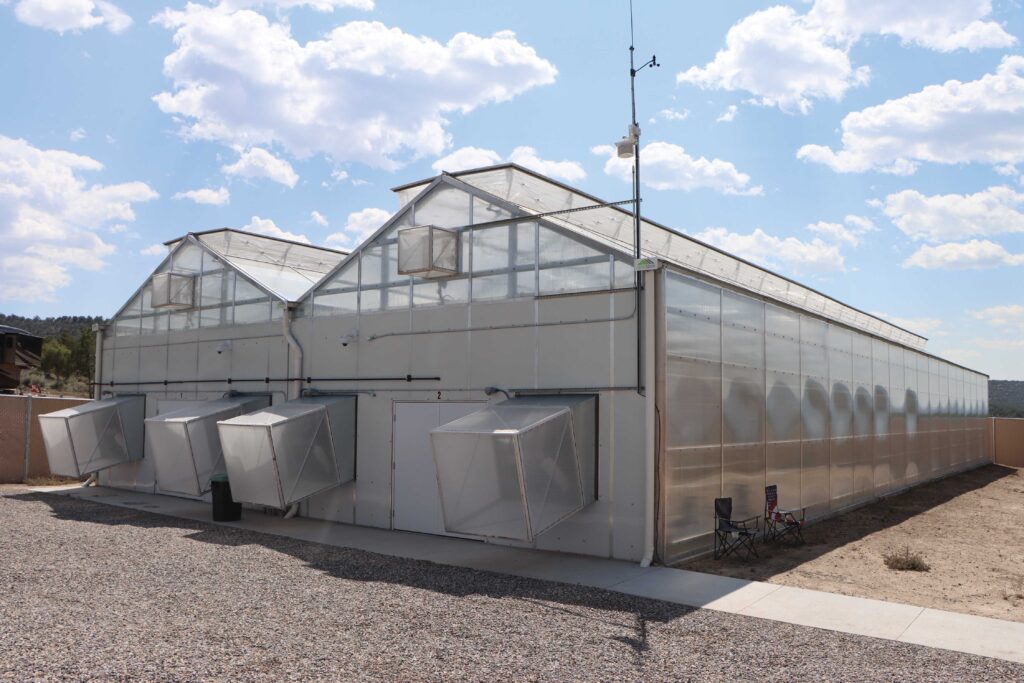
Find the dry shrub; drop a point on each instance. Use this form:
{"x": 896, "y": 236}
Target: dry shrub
{"x": 905, "y": 560}
{"x": 1015, "y": 593}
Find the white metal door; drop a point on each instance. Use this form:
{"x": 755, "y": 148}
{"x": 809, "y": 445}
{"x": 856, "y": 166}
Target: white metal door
{"x": 416, "y": 501}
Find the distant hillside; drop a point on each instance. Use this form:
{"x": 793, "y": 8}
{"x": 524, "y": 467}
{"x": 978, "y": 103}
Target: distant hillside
{"x": 1006, "y": 398}
{"x": 51, "y": 327}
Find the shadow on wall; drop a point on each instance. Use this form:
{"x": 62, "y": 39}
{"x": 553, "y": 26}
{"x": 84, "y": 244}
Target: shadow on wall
{"x": 851, "y": 526}
{"x": 350, "y": 564}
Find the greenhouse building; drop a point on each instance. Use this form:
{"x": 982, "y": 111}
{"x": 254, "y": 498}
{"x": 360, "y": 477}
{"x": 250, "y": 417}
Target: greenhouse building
{"x": 490, "y": 364}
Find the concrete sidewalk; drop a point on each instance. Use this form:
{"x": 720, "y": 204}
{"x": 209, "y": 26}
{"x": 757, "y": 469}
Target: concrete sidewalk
{"x": 861, "y": 616}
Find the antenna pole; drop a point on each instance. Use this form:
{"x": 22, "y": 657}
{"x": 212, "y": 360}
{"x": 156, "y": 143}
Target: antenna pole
{"x": 634, "y": 133}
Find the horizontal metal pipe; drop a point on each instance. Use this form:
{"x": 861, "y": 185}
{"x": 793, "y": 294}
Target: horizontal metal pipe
{"x": 268, "y": 380}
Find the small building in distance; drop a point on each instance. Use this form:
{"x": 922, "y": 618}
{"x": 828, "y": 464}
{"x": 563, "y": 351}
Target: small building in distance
{"x": 19, "y": 351}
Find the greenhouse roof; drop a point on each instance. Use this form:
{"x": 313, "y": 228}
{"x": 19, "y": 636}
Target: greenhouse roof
{"x": 284, "y": 268}
{"x": 536, "y": 194}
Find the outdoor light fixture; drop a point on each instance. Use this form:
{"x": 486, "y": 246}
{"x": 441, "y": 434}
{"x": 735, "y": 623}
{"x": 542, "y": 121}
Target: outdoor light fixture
{"x": 224, "y": 346}
{"x": 350, "y": 338}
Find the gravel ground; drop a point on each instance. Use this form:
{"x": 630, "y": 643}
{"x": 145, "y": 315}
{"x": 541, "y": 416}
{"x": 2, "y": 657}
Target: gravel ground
{"x": 89, "y": 591}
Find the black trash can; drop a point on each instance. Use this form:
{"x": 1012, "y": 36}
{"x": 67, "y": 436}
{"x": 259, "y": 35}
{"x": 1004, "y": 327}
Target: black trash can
{"x": 224, "y": 508}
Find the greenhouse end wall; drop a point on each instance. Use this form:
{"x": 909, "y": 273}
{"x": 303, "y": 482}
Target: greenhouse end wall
{"x": 754, "y": 394}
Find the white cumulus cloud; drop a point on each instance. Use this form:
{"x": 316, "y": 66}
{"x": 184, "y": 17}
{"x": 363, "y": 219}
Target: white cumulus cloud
{"x": 672, "y": 115}
{"x": 566, "y": 170}
{"x": 971, "y": 255}
{"x": 265, "y": 226}
{"x": 318, "y": 5}
{"x": 154, "y": 250}
{"x": 318, "y": 218}
{"x": 466, "y": 158}
{"x": 954, "y": 123}
{"x": 927, "y": 327}
{"x": 789, "y": 60}
{"x": 73, "y": 16}
{"x": 50, "y": 218}
{"x": 782, "y": 59}
{"x": 941, "y": 25}
{"x": 363, "y": 92}
{"x": 729, "y": 115}
{"x": 939, "y": 218}
{"x": 359, "y": 226}
{"x": 206, "y": 195}
{"x": 668, "y": 167}
{"x": 850, "y": 232}
{"x": 259, "y": 163}
{"x": 1007, "y": 315}
{"x": 779, "y": 253}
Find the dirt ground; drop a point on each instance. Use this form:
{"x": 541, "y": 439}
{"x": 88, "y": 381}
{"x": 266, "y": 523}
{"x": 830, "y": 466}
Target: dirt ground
{"x": 969, "y": 528}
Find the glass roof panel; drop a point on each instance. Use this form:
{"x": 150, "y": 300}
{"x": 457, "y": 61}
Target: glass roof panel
{"x": 287, "y": 269}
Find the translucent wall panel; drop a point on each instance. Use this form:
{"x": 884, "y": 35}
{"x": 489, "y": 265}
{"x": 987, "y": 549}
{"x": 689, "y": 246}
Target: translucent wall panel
{"x": 756, "y": 394}
{"x": 814, "y": 412}
{"x": 912, "y": 417}
{"x": 743, "y": 407}
{"x": 516, "y": 468}
{"x": 184, "y": 444}
{"x": 782, "y": 361}
{"x": 693, "y": 410}
{"x": 880, "y": 377}
{"x": 841, "y": 402}
{"x": 863, "y": 417}
{"x": 94, "y": 436}
{"x": 286, "y": 453}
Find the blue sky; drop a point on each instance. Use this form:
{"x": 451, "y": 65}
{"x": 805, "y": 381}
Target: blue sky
{"x": 871, "y": 149}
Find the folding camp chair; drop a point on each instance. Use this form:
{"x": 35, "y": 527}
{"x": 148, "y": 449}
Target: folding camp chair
{"x": 733, "y": 535}
{"x": 780, "y": 523}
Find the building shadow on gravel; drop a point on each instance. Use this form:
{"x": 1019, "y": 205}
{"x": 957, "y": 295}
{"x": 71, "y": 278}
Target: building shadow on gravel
{"x": 350, "y": 564}
{"x": 851, "y": 526}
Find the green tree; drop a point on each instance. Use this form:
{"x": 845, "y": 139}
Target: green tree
{"x": 84, "y": 353}
{"x": 56, "y": 359}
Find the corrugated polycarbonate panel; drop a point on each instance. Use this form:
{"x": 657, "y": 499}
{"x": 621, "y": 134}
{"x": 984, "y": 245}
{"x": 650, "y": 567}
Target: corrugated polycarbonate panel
{"x": 880, "y": 378}
{"x": 912, "y": 418}
{"x": 756, "y": 394}
{"x": 897, "y": 418}
{"x": 693, "y": 388}
{"x": 840, "y": 361}
{"x": 615, "y": 226}
{"x": 93, "y": 436}
{"x": 743, "y": 406}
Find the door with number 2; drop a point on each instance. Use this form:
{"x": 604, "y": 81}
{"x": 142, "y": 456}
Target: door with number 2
{"x": 416, "y": 503}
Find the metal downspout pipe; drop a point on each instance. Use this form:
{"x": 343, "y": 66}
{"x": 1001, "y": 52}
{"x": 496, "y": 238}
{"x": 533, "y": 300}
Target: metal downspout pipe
{"x": 294, "y": 370}
{"x": 294, "y": 353}
{"x": 650, "y": 424}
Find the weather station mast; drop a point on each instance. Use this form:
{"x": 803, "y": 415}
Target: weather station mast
{"x": 629, "y": 148}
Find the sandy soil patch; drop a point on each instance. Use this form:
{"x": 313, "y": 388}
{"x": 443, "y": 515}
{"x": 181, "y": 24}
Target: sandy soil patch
{"x": 969, "y": 528}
